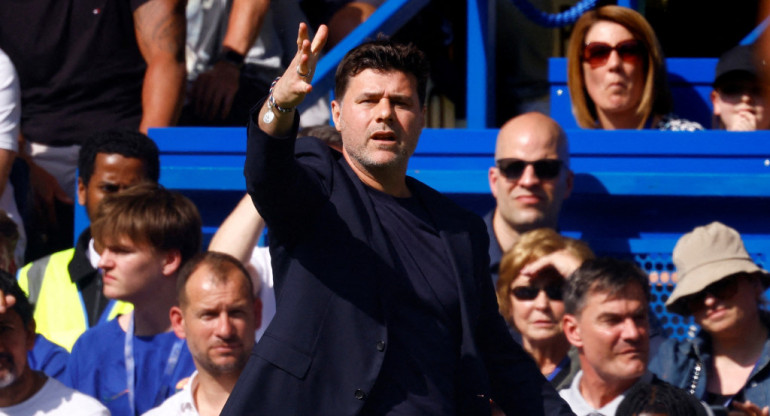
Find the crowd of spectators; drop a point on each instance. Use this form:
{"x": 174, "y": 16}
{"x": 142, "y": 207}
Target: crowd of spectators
{"x": 131, "y": 319}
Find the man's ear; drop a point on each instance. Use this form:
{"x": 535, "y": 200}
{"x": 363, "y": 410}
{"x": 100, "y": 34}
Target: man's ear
{"x": 494, "y": 176}
{"x": 336, "y": 110}
{"x": 82, "y": 192}
{"x": 572, "y": 330}
{"x": 570, "y": 183}
{"x": 171, "y": 262}
{"x": 177, "y": 321}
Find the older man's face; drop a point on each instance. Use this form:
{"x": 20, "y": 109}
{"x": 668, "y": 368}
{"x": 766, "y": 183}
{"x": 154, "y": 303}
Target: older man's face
{"x": 612, "y": 332}
{"x": 380, "y": 118}
{"x": 16, "y": 339}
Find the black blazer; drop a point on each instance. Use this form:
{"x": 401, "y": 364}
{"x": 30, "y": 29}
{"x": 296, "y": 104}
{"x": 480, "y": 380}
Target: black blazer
{"x": 324, "y": 348}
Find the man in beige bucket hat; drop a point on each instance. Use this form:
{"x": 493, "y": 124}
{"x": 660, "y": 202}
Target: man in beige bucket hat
{"x": 727, "y": 363}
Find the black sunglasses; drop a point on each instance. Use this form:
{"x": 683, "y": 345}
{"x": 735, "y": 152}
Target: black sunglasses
{"x": 723, "y": 289}
{"x": 598, "y": 53}
{"x": 554, "y": 292}
{"x": 544, "y": 168}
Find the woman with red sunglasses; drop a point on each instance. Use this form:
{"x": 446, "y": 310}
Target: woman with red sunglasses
{"x": 529, "y": 294}
{"x": 727, "y": 363}
{"x": 616, "y": 73}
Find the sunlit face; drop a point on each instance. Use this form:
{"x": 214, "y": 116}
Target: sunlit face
{"x": 612, "y": 332}
{"x": 132, "y": 271}
{"x": 380, "y": 118}
{"x": 539, "y": 319}
{"x": 529, "y": 202}
{"x": 112, "y": 173}
{"x": 616, "y": 87}
{"x": 219, "y": 321}
{"x": 731, "y": 315}
{"x": 740, "y": 104}
{"x": 16, "y": 339}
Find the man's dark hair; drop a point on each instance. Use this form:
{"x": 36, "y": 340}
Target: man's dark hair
{"x": 659, "y": 397}
{"x": 219, "y": 264}
{"x": 602, "y": 275}
{"x": 127, "y": 143}
{"x": 383, "y": 55}
{"x": 149, "y": 214}
{"x": 10, "y": 286}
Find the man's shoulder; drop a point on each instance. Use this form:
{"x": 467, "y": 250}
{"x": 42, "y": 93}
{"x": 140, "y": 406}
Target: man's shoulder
{"x": 59, "y": 399}
{"x": 181, "y": 403}
{"x": 174, "y": 405}
{"x": 100, "y": 338}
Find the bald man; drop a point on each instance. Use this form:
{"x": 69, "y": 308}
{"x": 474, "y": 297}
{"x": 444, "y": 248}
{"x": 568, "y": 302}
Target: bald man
{"x": 530, "y": 180}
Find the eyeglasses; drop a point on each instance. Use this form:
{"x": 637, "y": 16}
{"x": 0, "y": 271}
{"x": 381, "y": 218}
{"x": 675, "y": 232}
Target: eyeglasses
{"x": 598, "y": 53}
{"x": 554, "y": 292}
{"x": 723, "y": 289}
{"x": 544, "y": 168}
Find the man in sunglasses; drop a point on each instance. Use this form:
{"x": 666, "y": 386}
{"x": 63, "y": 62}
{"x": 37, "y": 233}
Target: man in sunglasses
{"x": 530, "y": 180}
{"x": 727, "y": 362}
{"x": 606, "y": 319}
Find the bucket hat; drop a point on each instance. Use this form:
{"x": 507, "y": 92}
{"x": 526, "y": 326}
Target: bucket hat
{"x": 706, "y": 255}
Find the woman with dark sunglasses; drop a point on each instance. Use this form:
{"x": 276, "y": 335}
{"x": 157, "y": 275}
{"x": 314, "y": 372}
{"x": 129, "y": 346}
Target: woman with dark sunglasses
{"x": 529, "y": 294}
{"x": 616, "y": 73}
{"x": 727, "y": 363}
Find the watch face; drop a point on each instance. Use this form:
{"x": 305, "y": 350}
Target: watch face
{"x": 268, "y": 117}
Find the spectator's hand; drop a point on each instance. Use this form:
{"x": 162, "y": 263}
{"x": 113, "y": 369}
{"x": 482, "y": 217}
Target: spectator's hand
{"x": 295, "y": 82}
{"x": 563, "y": 261}
{"x": 46, "y": 190}
{"x": 745, "y": 121}
{"x": 749, "y": 409}
{"x": 213, "y": 91}
{"x": 6, "y": 302}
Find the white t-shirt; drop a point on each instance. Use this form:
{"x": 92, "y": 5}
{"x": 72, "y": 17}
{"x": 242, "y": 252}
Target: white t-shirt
{"x": 580, "y": 406}
{"x": 180, "y": 404}
{"x": 56, "y": 399}
{"x": 10, "y": 117}
{"x": 260, "y": 261}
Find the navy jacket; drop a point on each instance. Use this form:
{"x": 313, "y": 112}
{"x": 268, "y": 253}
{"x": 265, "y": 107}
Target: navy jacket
{"x": 323, "y": 350}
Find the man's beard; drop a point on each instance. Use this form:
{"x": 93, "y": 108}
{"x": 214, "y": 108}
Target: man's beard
{"x": 9, "y": 376}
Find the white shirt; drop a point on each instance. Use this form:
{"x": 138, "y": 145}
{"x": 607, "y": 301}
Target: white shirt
{"x": 580, "y": 406}
{"x": 260, "y": 261}
{"x": 56, "y": 399}
{"x": 180, "y": 404}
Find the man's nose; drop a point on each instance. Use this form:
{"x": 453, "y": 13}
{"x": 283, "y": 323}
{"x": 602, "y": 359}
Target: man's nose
{"x": 105, "y": 260}
{"x": 224, "y": 327}
{"x": 384, "y": 110}
{"x": 632, "y": 330}
{"x": 528, "y": 177}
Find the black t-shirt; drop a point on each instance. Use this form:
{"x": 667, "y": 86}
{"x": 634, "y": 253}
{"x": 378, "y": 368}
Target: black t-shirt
{"x": 79, "y": 66}
{"x": 418, "y": 375}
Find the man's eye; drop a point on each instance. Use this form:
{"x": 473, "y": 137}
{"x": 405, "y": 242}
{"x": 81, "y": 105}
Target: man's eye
{"x": 110, "y": 189}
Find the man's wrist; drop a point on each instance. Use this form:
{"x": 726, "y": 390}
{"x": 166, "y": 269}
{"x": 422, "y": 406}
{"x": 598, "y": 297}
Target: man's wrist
{"x": 231, "y": 57}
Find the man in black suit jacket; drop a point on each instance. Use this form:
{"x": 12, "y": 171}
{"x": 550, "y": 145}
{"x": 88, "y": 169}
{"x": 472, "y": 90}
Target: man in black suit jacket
{"x": 384, "y": 301}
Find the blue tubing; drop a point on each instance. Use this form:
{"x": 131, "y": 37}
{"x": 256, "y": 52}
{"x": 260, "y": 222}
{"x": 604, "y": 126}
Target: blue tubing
{"x": 565, "y": 18}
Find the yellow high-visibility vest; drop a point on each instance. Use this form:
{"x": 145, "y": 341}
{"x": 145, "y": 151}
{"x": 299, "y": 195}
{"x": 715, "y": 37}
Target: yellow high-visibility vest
{"x": 60, "y": 313}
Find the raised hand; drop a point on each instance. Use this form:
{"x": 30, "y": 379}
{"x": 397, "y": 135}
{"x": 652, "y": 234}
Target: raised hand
{"x": 294, "y": 85}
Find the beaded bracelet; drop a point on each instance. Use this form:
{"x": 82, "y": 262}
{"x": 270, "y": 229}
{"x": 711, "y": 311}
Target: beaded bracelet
{"x": 271, "y": 100}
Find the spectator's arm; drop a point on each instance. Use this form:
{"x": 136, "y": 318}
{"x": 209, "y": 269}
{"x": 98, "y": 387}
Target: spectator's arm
{"x": 160, "y": 33}
{"x": 213, "y": 91}
{"x": 240, "y": 231}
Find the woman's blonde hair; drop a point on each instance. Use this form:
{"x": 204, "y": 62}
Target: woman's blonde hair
{"x": 532, "y": 246}
{"x": 656, "y": 98}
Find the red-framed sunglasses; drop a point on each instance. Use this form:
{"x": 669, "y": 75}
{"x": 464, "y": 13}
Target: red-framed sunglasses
{"x": 598, "y": 53}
